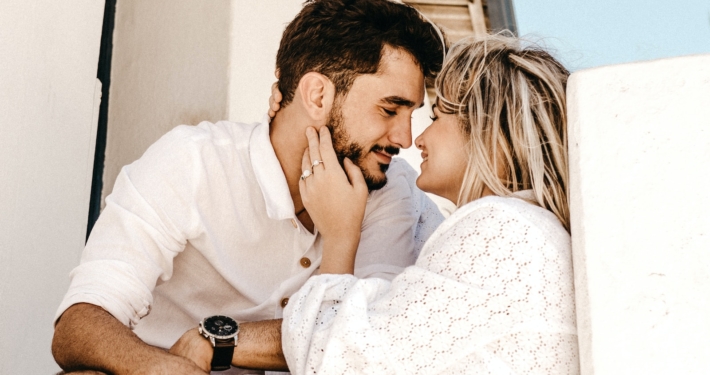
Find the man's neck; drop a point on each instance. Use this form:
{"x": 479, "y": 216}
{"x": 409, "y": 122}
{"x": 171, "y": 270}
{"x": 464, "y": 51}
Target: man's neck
{"x": 288, "y": 137}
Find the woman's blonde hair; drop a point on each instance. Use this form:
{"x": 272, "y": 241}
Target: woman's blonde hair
{"x": 510, "y": 101}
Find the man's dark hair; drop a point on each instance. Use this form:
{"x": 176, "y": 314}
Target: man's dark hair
{"x": 343, "y": 39}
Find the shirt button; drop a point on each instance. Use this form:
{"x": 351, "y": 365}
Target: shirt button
{"x": 305, "y": 262}
{"x": 284, "y": 302}
{"x": 293, "y": 222}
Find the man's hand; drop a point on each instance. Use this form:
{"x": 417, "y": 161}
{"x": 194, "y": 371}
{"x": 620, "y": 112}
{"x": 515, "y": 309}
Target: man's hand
{"x": 194, "y": 347}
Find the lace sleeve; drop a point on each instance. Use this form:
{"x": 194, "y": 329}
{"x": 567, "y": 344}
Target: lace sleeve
{"x": 491, "y": 293}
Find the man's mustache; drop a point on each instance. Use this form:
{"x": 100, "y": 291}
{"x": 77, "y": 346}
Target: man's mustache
{"x": 391, "y": 150}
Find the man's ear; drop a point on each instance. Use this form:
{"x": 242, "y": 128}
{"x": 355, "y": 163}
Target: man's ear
{"x": 317, "y": 93}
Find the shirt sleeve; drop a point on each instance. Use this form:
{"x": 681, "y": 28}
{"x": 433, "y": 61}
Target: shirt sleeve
{"x": 478, "y": 301}
{"x": 398, "y": 220}
{"x": 145, "y": 224}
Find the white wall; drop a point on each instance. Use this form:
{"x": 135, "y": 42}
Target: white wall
{"x": 640, "y": 157}
{"x": 182, "y": 62}
{"x": 170, "y": 66}
{"x": 49, "y": 100}
{"x": 256, "y": 32}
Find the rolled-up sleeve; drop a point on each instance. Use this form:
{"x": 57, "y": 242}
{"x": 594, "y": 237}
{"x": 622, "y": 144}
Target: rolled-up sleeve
{"x": 145, "y": 224}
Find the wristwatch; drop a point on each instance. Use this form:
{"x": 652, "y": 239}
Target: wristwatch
{"x": 222, "y": 332}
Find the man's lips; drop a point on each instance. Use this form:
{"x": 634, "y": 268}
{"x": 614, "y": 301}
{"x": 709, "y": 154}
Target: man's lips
{"x": 383, "y": 157}
{"x": 384, "y": 154}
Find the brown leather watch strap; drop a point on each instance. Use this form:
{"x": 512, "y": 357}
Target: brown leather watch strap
{"x": 223, "y": 352}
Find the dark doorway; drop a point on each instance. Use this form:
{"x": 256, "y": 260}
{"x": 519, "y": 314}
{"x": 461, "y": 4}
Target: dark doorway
{"x": 104, "y": 75}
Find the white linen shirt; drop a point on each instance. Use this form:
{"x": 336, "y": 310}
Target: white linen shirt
{"x": 203, "y": 224}
{"x": 491, "y": 293}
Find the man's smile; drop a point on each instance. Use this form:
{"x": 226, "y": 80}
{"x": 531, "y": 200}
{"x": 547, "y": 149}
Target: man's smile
{"x": 383, "y": 157}
{"x": 384, "y": 154}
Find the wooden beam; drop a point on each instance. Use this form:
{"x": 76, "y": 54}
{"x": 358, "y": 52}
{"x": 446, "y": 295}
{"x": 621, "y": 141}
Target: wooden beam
{"x": 478, "y": 18}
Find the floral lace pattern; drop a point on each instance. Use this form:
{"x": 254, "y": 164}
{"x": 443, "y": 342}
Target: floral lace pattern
{"x": 491, "y": 293}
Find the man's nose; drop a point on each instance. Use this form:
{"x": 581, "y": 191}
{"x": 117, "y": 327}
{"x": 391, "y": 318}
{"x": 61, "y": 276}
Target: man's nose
{"x": 401, "y": 133}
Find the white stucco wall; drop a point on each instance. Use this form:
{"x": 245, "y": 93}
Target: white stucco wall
{"x": 256, "y": 32}
{"x": 49, "y": 99}
{"x": 182, "y": 62}
{"x": 640, "y": 156}
{"x": 170, "y": 66}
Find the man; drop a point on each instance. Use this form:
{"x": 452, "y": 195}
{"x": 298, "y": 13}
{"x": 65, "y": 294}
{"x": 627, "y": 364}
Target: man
{"x": 210, "y": 221}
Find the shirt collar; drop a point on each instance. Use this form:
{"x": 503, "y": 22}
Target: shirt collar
{"x": 269, "y": 175}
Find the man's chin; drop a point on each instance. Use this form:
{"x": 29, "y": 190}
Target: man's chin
{"x": 376, "y": 182}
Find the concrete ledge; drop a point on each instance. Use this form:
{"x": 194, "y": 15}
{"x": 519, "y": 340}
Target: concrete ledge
{"x": 640, "y": 164}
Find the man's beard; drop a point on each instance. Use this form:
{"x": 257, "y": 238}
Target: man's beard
{"x": 344, "y": 148}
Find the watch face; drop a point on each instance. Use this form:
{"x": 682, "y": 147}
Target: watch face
{"x": 220, "y": 326}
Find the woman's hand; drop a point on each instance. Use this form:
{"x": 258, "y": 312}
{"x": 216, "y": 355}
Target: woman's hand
{"x": 195, "y": 347}
{"x": 275, "y": 100}
{"x": 335, "y": 201}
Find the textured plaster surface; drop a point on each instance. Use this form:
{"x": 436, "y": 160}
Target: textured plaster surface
{"x": 640, "y": 156}
{"x": 49, "y": 98}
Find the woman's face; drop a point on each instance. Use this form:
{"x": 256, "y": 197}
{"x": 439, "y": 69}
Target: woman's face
{"x": 444, "y": 152}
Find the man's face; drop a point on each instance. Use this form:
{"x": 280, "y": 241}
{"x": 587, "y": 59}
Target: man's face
{"x": 374, "y": 120}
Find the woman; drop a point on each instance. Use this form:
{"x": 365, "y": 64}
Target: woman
{"x": 492, "y": 291}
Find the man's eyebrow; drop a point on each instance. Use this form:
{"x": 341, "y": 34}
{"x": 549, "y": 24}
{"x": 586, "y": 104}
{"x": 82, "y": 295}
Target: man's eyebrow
{"x": 400, "y": 101}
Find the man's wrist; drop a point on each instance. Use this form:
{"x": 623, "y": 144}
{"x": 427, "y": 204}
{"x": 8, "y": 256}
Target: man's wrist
{"x": 193, "y": 346}
{"x": 260, "y": 346}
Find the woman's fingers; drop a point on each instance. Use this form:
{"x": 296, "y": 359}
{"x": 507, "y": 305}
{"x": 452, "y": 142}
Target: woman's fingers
{"x": 357, "y": 180}
{"x": 305, "y": 163}
{"x": 276, "y": 94}
{"x": 275, "y": 99}
{"x": 326, "y": 147}
{"x": 335, "y": 204}
{"x": 305, "y": 166}
{"x": 314, "y": 149}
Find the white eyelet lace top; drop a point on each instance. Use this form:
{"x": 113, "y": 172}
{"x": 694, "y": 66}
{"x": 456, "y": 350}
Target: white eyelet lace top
{"x": 491, "y": 293}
